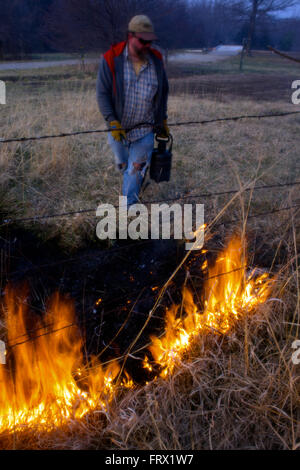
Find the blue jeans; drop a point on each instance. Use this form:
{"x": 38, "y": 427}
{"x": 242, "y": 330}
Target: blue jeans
{"x": 132, "y": 159}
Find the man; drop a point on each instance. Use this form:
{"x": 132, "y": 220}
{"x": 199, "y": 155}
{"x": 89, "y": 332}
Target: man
{"x": 132, "y": 89}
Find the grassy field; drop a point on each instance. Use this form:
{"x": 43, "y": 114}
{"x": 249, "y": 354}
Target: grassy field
{"x": 262, "y": 62}
{"x": 66, "y": 174}
{"x": 244, "y": 393}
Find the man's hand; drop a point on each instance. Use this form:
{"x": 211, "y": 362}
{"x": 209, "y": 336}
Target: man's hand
{"x": 116, "y": 131}
{"x": 164, "y": 131}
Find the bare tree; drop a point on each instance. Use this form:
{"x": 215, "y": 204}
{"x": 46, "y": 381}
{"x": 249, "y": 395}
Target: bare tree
{"x": 252, "y": 9}
{"x": 213, "y": 22}
{"x": 74, "y": 25}
{"x": 19, "y": 25}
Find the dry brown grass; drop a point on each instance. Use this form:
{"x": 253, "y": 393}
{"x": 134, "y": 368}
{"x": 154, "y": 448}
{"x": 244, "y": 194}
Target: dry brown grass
{"x": 238, "y": 392}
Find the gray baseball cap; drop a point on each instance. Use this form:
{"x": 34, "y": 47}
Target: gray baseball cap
{"x": 142, "y": 26}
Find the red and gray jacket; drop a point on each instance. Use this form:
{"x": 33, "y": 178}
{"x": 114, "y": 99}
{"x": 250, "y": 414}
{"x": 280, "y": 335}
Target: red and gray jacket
{"x": 110, "y": 85}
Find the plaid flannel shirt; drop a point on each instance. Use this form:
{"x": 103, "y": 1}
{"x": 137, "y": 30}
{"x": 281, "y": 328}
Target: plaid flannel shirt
{"x": 139, "y": 93}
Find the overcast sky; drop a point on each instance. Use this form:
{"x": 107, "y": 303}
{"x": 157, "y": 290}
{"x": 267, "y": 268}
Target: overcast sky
{"x": 290, "y": 12}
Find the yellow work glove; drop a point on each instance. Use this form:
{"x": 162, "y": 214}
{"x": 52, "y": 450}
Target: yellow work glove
{"x": 164, "y": 131}
{"x": 118, "y": 133}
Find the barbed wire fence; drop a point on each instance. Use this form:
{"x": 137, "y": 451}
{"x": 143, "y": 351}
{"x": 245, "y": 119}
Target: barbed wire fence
{"x": 202, "y": 122}
{"x": 181, "y": 197}
{"x": 177, "y": 198}
{"x": 171, "y": 124}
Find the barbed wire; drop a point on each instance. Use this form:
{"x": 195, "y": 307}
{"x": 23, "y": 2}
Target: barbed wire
{"x": 253, "y": 216}
{"x": 223, "y": 193}
{"x": 171, "y": 124}
{"x": 69, "y": 325}
{"x": 109, "y": 252}
{"x": 286, "y": 56}
{"x": 177, "y": 198}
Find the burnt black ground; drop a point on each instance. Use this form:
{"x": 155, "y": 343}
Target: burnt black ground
{"x": 126, "y": 278}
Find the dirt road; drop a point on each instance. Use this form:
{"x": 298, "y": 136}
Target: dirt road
{"x": 43, "y": 64}
{"x": 198, "y": 57}
{"x": 219, "y": 53}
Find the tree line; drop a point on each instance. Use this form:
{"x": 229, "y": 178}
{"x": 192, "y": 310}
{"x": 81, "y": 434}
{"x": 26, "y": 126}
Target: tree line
{"x": 36, "y": 26}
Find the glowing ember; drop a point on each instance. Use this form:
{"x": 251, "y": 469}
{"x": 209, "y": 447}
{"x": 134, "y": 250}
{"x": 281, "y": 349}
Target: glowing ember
{"x": 226, "y": 298}
{"x": 127, "y": 382}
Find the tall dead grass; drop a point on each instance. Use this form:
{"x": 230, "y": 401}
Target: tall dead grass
{"x": 238, "y": 392}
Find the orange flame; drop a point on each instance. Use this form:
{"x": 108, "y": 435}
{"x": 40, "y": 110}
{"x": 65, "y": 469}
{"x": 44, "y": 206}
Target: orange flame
{"x": 226, "y": 298}
{"x": 39, "y": 388}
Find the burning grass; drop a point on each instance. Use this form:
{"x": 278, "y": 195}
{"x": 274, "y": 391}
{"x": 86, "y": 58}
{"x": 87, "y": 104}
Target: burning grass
{"x": 239, "y": 391}
{"x": 38, "y": 387}
{"x": 226, "y": 299}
